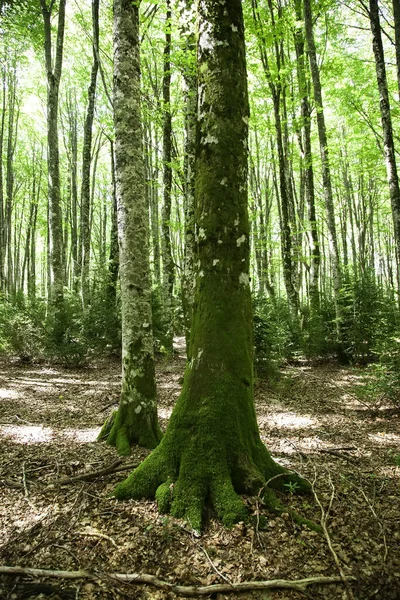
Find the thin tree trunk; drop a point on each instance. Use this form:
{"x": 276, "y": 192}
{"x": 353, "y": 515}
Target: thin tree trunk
{"x": 87, "y": 158}
{"x": 168, "y": 264}
{"x": 53, "y": 159}
{"x": 284, "y": 192}
{"x": 396, "y": 17}
{"x": 190, "y": 80}
{"x": 388, "y": 141}
{"x": 136, "y": 418}
{"x": 326, "y": 173}
{"x": 2, "y": 215}
{"x": 315, "y": 259}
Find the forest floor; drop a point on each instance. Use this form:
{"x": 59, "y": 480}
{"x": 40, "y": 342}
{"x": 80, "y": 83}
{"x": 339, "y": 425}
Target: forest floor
{"x": 311, "y": 421}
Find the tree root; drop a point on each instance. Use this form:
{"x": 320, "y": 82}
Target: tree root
{"x": 299, "y": 585}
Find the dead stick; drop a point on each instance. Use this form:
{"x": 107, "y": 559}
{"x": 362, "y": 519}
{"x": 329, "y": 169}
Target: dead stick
{"x": 299, "y": 585}
{"x": 92, "y": 474}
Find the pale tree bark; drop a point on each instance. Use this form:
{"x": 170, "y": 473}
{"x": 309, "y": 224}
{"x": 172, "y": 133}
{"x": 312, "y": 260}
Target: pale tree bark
{"x": 190, "y": 82}
{"x": 2, "y": 215}
{"x": 53, "y": 72}
{"x": 307, "y": 164}
{"x": 285, "y": 200}
{"x": 396, "y": 17}
{"x": 388, "y": 141}
{"x": 212, "y": 450}
{"x": 72, "y": 153}
{"x": 113, "y": 268}
{"x": 326, "y": 172}
{"x": 87, "y": 160}
{"x": 168, "y": 263}
{"x": 136, "y": 418}
{"x": 12, "y": 134}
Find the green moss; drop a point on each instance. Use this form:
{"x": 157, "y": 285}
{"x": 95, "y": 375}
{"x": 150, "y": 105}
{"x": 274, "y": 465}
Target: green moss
{"x": 163, "y": 495}
{"x": 125, "y": 427}
{"x": 108, "y": 423}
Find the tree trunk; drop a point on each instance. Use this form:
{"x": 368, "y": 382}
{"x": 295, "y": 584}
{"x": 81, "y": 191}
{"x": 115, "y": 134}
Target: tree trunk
{"x": 388, "y": 142}
{"x": 315, "y": 252}
{"x": 189, "y": 172}
{"x": 113, "y": 260}
{"x": 53, "y": 160}
{"x": 396, "y": 18}
{"x": 2, "y": 215}
{"x": 76, "y": 255}
{"x": 326, "y": 173}
{"x": 136, "y": 418}
{"x": 87, "y": 159}
{"x": 168, "y": 263}
{"x": 212, "y": 449}
{"x": 283, "y": 197}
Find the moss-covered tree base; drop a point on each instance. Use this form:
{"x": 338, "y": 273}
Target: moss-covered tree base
{"x": 126, "y": 430}
{"x": 209, "y": 457}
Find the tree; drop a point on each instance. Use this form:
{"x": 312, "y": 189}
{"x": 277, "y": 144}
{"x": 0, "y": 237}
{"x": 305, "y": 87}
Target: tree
{"x": 212, "y": 448}
{"x": 53, "y": 161}
{"x": 136, "y": 418}
{"x": 168, "y": 264}
{"x": 387, "y": 129}
{"x": 87, "y": 160}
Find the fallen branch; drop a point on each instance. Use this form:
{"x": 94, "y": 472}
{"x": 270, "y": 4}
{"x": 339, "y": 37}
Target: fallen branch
{"x": 338, "y": 454}
{"x": 11, "y": 484}
{"x": 93, "y": 474}
{"x": 299, "y": 585}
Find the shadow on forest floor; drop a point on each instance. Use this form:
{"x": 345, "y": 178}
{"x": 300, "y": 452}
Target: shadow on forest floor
{"x": 312, "y": 422}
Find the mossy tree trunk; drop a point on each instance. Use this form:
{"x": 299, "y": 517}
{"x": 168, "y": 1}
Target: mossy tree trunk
{"x": 136, "y": 418}
{"x": 53, "y": 160}
{"x": 190, "y": 82}
{"x": 167, "y": 258}
{"x": 87, "y": 162}
{"x": 212, "y": 450}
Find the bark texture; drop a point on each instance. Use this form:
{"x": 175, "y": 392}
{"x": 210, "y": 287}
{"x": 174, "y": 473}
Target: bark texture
{"x": 212, "y": 450}
{"x": 136, "y": 418}
{"x": 387, "y": 130}
{"x": 87, "y": 159}
{"x": 168, "y": 263}
{"x": 326, "y": 174}
{"x": 53, "y": 160}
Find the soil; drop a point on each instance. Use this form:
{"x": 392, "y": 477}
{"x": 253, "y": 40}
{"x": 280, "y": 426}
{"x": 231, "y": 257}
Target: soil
{"x": 311, "y": 421}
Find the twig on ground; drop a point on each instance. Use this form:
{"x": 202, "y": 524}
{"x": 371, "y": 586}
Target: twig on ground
{"x": 299, "y": 585}
{"x": 371, "y": 507}
{"x": 90, "y": 532}
{"x": 214, "y": 567}
{"x": 11, "y": 484}
{"x": 26, "y": 494}
{"x": 336, "y": 453}
{"x": 92, "y": 474}
{"x": 324, "y": 520}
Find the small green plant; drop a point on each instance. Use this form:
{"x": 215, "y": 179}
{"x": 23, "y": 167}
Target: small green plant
{"x": 292, "y": 487}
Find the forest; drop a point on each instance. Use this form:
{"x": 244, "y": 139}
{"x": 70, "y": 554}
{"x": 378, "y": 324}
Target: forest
{"x": 199, "y": 299}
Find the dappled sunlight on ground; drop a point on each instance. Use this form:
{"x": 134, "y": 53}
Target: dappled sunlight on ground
{"x": 37, "y": 434}
{"x": 8, "y": 394}
{"x": 290, "y": 420}
{"x": 385, "y": 439}
{"x": 27, "y": 434}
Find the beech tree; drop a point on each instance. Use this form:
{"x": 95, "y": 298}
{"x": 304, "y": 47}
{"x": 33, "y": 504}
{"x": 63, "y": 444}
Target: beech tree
{"x": 212, "y": 448}
{"x": 136, "y": 418}
{"x": 53, "y": 71}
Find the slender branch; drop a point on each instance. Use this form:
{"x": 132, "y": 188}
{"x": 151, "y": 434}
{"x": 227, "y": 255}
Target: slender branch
{"x": 93, "y": 474}
{"x": 299, "y": 585}
{"x": 324, "y": 519}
